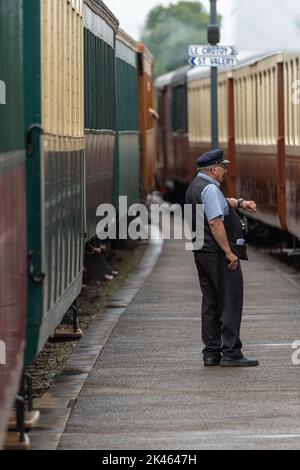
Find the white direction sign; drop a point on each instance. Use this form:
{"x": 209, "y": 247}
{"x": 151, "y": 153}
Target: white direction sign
{"x": 215, "y": 51}
{"x": 201, "y": 61}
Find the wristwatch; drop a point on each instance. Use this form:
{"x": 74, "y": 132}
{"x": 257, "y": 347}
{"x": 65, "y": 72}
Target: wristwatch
{"x": 240, "y": 202}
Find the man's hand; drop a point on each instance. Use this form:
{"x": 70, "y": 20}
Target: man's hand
{"x": 233, "y": 261}
{"x": 219, "y": 234}
{"x": 249, "y": 206}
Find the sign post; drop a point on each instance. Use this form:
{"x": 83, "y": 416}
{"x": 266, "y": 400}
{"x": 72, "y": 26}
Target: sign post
{"x": 208, "y": 61}
{"x": 213, "y": 55}
{"x": 214, "y": 39}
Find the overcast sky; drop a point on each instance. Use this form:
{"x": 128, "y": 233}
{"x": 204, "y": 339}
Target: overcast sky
{"x": 132, "y": 13}
{"x": 256, "y": 24}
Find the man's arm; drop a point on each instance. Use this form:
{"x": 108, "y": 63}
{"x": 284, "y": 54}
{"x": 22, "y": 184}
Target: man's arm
{"x": 214, "y": 212}
{"x": 248, "y": 206}
{"x": 219, "y": 234}
{"x": 233, "y": 202}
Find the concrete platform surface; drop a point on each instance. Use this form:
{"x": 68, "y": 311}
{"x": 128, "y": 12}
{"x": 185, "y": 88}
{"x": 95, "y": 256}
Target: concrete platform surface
{"x": 149, "y": 390}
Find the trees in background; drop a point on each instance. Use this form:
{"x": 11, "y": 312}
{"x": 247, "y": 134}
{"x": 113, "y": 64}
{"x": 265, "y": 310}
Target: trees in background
{"x": 170, "y": 30}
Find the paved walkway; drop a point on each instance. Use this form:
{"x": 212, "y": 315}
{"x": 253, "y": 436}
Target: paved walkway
{"x": 149, "y": 389}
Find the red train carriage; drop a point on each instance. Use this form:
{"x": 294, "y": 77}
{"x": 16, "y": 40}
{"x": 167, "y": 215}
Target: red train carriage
{"x": 180, "y": 127}
{"x": 289, "y": 141}
{"x": 165, "y": 135}
{"x": 173, "y": 134}
{"x": 259, "y": 136}
{"x": 185, "y": 123}
{"x": 258, "y": 128}
{"x": 199, "y": 119}
{"x": 148, "y": 120}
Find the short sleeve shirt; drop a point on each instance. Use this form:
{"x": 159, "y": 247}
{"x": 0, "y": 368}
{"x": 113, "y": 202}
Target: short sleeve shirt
{"x": 215, "y": 204}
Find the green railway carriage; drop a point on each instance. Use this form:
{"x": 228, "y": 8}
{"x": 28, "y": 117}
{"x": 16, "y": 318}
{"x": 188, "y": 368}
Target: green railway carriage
{"x": 127, "y": 156}
{"x": 75, "y": 108}
{"x": 100, "y": 27}
{"x": 13, "y": 260}
{"x": 54, "y": 112}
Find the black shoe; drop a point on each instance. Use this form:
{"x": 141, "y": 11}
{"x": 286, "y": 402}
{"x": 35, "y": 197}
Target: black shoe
{"x": 212, "y": 361}
{"x": 243, "y": 362}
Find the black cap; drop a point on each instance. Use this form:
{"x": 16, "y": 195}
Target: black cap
{"x": 213, "y": 157}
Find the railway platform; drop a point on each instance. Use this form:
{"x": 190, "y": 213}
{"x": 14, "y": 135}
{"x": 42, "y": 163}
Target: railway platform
{"x": 146, "y": 386}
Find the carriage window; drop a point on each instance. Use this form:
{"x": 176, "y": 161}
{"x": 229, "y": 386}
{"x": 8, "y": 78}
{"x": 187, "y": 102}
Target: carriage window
{"x": 179, "y": 110}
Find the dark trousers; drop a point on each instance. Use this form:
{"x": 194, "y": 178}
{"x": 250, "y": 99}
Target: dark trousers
{"x": 222, "y": 304}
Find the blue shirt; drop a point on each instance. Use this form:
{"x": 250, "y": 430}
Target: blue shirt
{"x": 215, "y": 204}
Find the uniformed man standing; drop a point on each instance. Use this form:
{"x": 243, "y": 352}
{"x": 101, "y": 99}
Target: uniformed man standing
{"x": 218, "y": 263}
